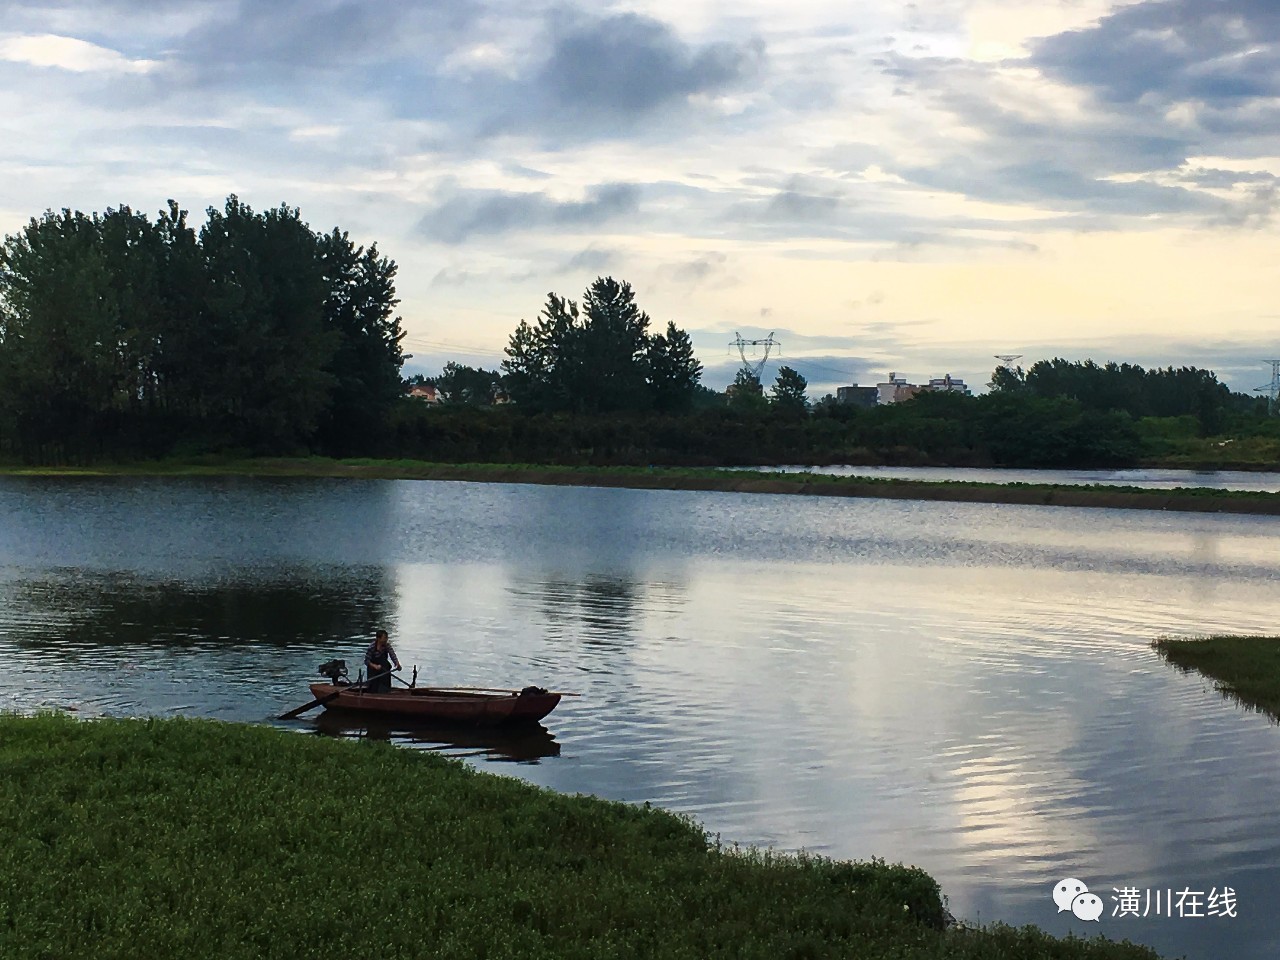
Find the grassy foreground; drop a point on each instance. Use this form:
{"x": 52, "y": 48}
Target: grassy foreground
{"x": 1244, "y": 669}
{"x": 1196, "y": 499}
{"x": 193, "y": 839}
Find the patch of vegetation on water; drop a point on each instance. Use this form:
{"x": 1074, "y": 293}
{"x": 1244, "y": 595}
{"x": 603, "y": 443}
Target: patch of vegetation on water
{"x": 1243, "y": 669}
{"x": 1200, "y": 499}
{"x": 195, "y": 839}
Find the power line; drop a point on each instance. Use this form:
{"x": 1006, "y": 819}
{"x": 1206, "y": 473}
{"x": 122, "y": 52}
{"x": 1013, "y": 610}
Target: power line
{"x": 821, "y": 366}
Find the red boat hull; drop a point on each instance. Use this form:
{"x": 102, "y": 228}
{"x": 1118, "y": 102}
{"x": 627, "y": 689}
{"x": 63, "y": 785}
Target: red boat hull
{"x": 434, "y": 703}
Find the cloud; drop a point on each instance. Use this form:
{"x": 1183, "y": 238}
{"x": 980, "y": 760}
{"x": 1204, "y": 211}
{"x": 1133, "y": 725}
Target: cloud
{"x": 1099, "y": 122}
{"x": 1157, "y": 53}
{"x": 698, "y": 270}
{"x": 68, "y": 53}
{"x": 627, "y": 65}
{"x": 467, "y": 213}
{"x": 589, "y": 260}
{"x": 331, "y": 36}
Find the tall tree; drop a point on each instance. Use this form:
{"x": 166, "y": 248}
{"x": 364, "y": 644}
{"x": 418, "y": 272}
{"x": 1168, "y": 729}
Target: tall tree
{"x": 265, "y": 379}
{"x": 613, "y": 364}
{"x": 788, "y": 395}
{"x": 541, "y": 358}
{"x": 60, "y": 329}
{"x": 746, "y": 393}
{"x": 599, "y": 358}
{"x": 673, "y": 370}
{"x": 359, "y": 307}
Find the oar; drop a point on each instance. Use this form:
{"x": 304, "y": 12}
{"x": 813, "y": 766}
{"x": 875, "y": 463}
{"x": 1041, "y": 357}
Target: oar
{"x": 298, "y": 711}
{"x": 491, "y": 690}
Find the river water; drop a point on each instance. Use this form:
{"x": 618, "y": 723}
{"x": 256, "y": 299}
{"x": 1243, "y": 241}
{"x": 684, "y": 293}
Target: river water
{"x": 964, "y": 687}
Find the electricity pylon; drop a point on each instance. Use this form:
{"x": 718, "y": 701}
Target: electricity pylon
{"x": 755, "y": 368}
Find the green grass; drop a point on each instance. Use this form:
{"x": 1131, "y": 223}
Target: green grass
{"x": 194, "y": 839}
{"x": 1243, "y": 669}
{"x": 1200, "y": 499}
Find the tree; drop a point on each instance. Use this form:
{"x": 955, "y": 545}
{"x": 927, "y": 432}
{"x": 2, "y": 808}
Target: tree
{"x": 540, "y": 359}
{"x": 1008, "y": 380}
{"x": 359, "y": 309}
{"x": 471, "y": 386}
{"x": 59, "y": 334}
{"x": 266, "y": 376}
{"x": 746, "y": 394}
{"x": 123, "y": 335}
{"x": 789, "y": 393}
{"x": 673, "y": 370}
{"x": 600, "y": 358}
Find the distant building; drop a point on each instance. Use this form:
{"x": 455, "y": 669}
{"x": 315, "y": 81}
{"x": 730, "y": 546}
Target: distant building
{"x": 858, "y": 396}
{"x": 896, "y": 389}
{"x": 426, "y": 392}
{"x": 949, "y": 384}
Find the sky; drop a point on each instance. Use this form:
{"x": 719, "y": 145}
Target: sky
{"x": 882, "y": 186}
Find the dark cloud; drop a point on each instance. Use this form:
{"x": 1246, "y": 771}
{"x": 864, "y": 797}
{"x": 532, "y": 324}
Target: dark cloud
{"x": 331, "y": 36}
{"x": 589, "y": 260}
{"x": 1035, "y": 181}
{"x": 628, "y": 65}
{"x": 791, "y": 206}
{"x": 698, "y": 270}
{"x": 468, "y": 213}
{"x": 1171, "y": 51}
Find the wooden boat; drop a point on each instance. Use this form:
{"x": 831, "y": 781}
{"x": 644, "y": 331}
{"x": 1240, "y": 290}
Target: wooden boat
{"x": 451, "y": 704}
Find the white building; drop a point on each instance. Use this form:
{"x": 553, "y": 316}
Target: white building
{"x": 896, "y": 390}
{"x": 949, "y": 384}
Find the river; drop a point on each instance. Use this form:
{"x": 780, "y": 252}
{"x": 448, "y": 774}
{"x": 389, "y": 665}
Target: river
{"x": 964, "y": 687}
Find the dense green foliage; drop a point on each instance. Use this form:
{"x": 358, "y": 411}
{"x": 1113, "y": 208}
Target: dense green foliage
{"x": 1244, "y": 669}
{"x": 190, "y": 839}
{"x": 788, "y": 396}
{"x": 600, "y": 358}
{"x": 473, "y": 386}
{"x": 933, "y": 428}
{"x": 120, "y": 336}
{"x": 1186, "y": 391}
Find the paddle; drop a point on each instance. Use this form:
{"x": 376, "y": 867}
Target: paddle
{"x": 298, "y": 711}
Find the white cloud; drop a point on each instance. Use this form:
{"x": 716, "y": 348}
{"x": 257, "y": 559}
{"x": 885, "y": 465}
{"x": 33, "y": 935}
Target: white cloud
{"x": 68, "y": 53}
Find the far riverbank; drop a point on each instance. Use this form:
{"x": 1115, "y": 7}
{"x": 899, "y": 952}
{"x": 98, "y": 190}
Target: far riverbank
{"x": 1189, "y": 499}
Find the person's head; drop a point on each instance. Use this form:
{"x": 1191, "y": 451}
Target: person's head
{"x": 380, "y": 638}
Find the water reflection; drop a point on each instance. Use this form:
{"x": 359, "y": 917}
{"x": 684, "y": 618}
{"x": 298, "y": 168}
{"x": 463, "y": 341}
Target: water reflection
{"x": 598, "y": 610}
{"x": 523, "y": 744}
{"x": 85, "y": 610}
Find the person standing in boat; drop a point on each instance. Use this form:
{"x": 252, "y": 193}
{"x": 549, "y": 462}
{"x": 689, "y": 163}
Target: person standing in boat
{"x": 377, "y": 661}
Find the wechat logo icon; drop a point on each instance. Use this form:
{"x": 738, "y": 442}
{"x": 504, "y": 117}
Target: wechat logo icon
{"x": 1071, "y": 894}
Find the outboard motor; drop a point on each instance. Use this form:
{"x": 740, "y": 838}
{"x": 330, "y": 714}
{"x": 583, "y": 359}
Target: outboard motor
{"x": 336, "y": 671}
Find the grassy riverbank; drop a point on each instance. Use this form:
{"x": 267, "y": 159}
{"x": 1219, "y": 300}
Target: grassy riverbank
{"x": 1244, "y": 669}
{"x": 194, "y": 839}
{"x": 1197, "y": 499}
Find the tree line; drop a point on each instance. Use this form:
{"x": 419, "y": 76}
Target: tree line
{"x": 126, "y": 336}
{"x": 123, "y": 336}
{"x": 1167, "y": 392}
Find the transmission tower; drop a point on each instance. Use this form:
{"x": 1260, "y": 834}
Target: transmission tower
{"x": 1272, "y": 389}
{"x": 755, "y": 367}
{"x": 1005, "y": 359}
